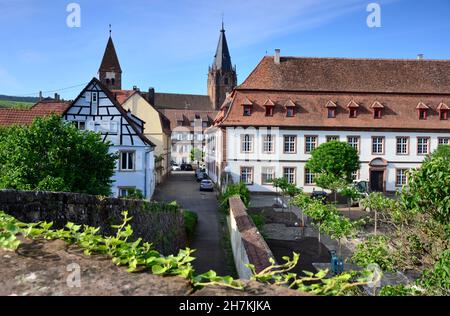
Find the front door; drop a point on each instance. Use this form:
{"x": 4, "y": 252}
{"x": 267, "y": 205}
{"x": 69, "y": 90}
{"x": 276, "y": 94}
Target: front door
{"x": 377, "y": 181}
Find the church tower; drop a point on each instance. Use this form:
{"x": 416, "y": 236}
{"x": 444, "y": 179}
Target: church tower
{"x": 222, "y": 77}
{"x": 110, "y": 73}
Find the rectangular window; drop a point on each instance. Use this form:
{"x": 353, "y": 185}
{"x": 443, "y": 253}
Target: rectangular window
{"x": 247, "y": 110}
{"x": 309, "y": 177}
{"x": 247, "y": 175}
{"x": 355, "y": 175}
{"x": 81, "y": 125}
{"x": 310, "y": 144}
{"x": 268, "y": 143}
{"x": 423, "y": 145}
{"x": 127, "y": 160}
{"x": 443, "y": 115}
{"x": 247, "y": 144}
{"x": 267, "y": 175}
{"x": 354, "y": 142}
{"x": 332, "y": 139}
{"x": 402, "y": 145}
{"x": 289, "y": 174}
{"x": 94, "y": 97}
{"x": 401, "y": 177}
{"x": 124, "y": 192}
{"x": 269, "y": 110}
{"x": 290, "y": 112}
{"x": 377, "y": 145}
{"x": 353, "y": 113}
{"x": 290, "y": 144}
{"x": 331, "y": 113}
{"x": 444, "y": 141}
{"x": 422, "y": 114}
{"x": 377, "y": 114}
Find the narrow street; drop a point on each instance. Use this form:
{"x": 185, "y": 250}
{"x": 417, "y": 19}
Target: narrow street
{"x": 183, "y": 188}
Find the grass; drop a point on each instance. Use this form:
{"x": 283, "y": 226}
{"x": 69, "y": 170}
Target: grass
{"x": 15, "y": 104}
{"x": 190, "y": 222}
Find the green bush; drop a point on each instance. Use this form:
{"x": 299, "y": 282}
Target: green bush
{"x": 437, "y": 280}
{"x": 238, "y": 189}
{"x": 54, "y": 155}
{"x": 259, "y": 220}
{"x": 374, "y": 250}
{"x": 190, "y": 222}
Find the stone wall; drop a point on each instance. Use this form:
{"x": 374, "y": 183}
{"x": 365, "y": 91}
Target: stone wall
{"x": 247, "y": 243}
{"x": 160, "y": 224}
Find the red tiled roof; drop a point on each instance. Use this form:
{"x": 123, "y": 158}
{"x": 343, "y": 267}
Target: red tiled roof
{"x": 350, "y": 75}
{"x": 123, "y": 95}
{"x": 9, "y": 117}
{"x": 399, "y": 111}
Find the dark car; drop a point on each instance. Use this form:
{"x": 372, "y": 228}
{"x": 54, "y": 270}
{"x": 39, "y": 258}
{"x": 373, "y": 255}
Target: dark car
{"x": 186, "y": 167}
{"x": 201, "y": 176}
{"x": 320, "y": 195}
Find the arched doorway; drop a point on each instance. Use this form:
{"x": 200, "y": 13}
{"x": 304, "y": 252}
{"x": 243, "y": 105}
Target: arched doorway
{"x": 378, "y": 175}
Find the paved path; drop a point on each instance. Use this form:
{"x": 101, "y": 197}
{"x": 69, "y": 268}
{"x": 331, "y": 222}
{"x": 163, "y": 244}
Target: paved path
{"x": 183, "y": 188}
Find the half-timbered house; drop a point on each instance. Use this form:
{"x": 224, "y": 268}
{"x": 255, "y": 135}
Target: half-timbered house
{"x": 96, "y": 109}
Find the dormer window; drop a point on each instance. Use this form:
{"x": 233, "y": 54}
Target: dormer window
{"x": 377, "y": 110}
{"x": 247, "y": 110}
{"x": 422, "y": 109}
{"x": 247, "y": 107}
{"x": 290, "y": 108}
{"x": 331, "y": 108}
{"x": 270, "y": 106}
{"x": 353, "y": 109}
{"x": 269, "y": 110}
{"x": 443, "y": 111}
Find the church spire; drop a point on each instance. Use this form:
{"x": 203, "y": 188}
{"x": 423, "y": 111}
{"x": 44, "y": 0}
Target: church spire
{"x": 222, "y": 59}
{"x": 110, "y": 72}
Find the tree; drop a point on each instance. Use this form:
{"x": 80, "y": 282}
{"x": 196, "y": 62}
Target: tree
{"x": 287, "y": 189}
{"x": 333, "y": 162}
{"x": 197, "y": 155}
{"x": 52, "y": 155}
{"x": 376, "y": 203}
{"x": 428, "y": 189}
{"x": 352, "y": 194}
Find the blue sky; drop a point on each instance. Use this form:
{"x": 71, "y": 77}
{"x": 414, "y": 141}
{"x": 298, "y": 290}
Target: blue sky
{"x": 169, "y": 44}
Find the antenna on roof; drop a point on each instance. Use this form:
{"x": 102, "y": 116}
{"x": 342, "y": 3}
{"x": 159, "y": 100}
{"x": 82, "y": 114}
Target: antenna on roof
{"x": 223, "y": 28}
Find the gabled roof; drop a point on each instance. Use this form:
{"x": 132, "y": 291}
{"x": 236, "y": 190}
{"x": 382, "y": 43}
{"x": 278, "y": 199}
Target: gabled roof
{"x": 9, "y": 117}
{"x": 331, "y": 104}
{"x": 122, "y": 96}
{"x": 350, "y": 75}
{"x": 119, "y": 107}
{"x": 110, "y": 60}
{"x": 377, "y": 105}
{"x": 443, "y": 106}
{"x": 246, "y": 101}
{"x": 422, "y": 106}
{"x": 222, "y": 59}
{"x": 269, "y": 102}
{"x": 352, "y": 104}
{"x": 290, "y": 103}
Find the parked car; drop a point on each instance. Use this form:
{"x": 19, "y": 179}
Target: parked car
{"x": 186, "y": 167}
{"x": 201, "y": 176}
{"x": 206, "y": 185}
{"x": 176, "y": 167}
{"x": 320, "y": 195}
{"x": 199, "y": 171}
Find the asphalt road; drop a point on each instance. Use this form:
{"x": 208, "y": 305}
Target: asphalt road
{"x": 183, "y": 188}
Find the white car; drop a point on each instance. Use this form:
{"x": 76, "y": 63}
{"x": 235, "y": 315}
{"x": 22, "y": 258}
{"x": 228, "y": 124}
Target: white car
{"x": 176, "y": 168}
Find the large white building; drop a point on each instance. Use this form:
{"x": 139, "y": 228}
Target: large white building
{"x": 97, "y": 110}
{"x": 394, "y": 112}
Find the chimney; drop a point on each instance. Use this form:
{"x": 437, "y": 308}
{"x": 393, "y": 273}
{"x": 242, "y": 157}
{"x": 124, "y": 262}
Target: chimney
{"x": 277, "y": 56}
{"x": 56, "y": 96}
{"x": 40, "y": 95}
{"x": 135, "y": 88}
{"x": 420, "y": 56}
{"x": 151, "y": 96}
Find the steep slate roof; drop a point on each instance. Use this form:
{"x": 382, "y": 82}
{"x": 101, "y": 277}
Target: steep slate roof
{"x": 110, "y": 60}
{"x": 183, "y": 101}
{"x": 119, "y": 107}
{"x": 351, "y": 75}
{"x": 222, "y": 59}
{"x": 9, "y": 117}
